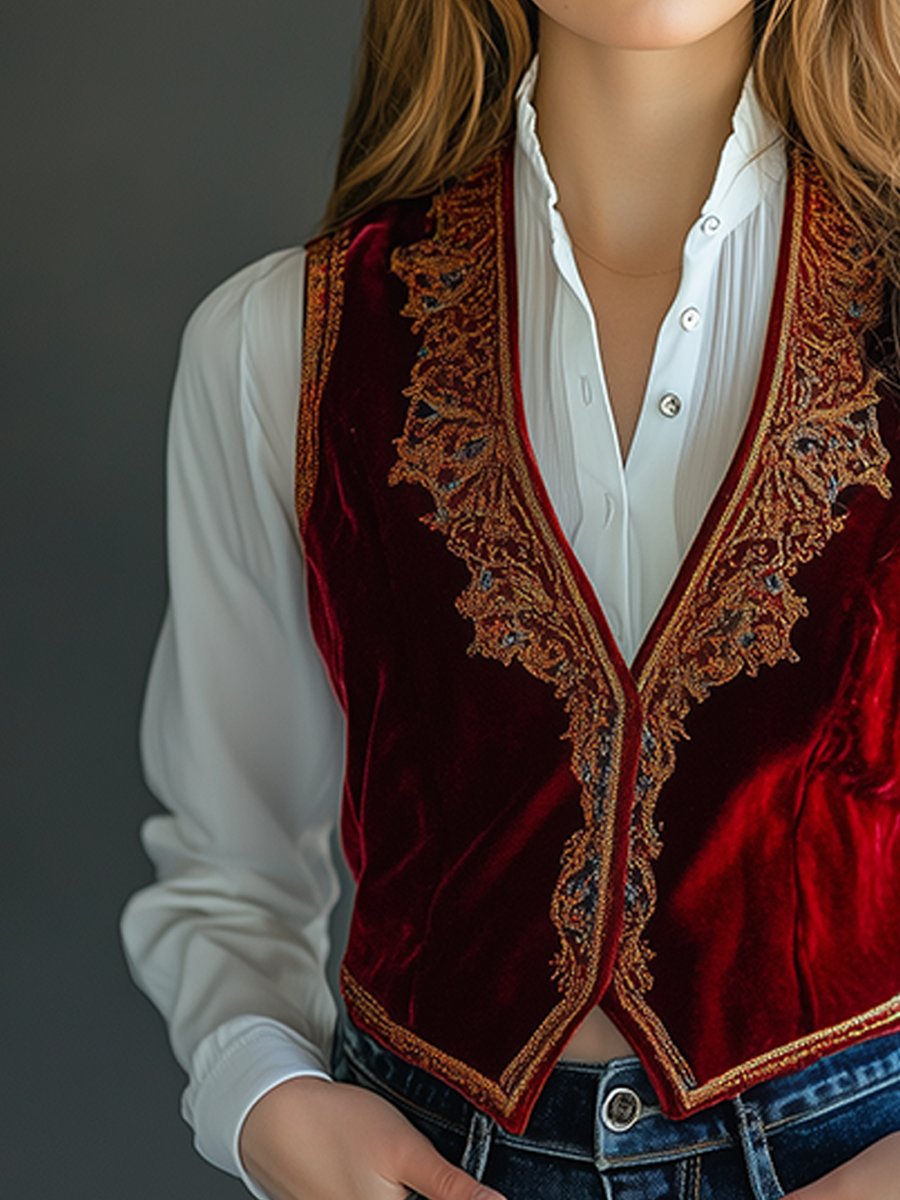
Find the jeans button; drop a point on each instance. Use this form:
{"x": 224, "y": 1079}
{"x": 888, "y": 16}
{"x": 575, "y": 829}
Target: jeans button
{"x": 621, "y": 1109}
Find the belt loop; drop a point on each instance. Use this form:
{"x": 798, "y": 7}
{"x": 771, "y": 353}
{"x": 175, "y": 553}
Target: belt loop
{"x": 764, "y": 1183}
{"x": 478, "y": 1143}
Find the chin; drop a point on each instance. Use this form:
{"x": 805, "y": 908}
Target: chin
{"x": 644, "y": 24}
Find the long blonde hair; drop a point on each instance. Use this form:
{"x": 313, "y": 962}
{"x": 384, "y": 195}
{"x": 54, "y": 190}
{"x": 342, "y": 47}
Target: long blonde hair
{"x": 436, "y": 81}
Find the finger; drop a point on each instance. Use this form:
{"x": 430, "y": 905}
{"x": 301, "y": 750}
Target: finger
{"x": 436, "y": 1178}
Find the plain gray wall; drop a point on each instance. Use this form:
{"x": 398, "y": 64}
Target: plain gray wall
{"x": 149, "y": 151}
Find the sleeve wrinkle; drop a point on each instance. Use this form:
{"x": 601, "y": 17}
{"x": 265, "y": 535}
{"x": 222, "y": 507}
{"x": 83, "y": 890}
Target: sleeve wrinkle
{"x": 240, "y": 740}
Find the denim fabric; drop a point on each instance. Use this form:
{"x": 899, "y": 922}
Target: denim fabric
{"x": 772, "y": 1138}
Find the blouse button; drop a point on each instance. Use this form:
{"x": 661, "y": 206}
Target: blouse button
{"x": 710, "y": 225}
{"x": 586, "y": 394}
{"x": 690, "y": 318}
{"x": 670, "y": 405}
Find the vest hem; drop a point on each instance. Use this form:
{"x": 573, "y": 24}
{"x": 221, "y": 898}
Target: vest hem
{"x": 511, "y": 1099}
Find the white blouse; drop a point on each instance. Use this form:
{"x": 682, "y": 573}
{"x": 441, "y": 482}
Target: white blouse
{"x": 241, "y": 736}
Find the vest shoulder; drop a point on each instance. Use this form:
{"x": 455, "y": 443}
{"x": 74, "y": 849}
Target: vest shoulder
{"x": 383, "y": 215}
{"x": 396, "y": 212}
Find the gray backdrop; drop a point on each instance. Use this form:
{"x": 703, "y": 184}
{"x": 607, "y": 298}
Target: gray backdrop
{"x": 149, "y": 151}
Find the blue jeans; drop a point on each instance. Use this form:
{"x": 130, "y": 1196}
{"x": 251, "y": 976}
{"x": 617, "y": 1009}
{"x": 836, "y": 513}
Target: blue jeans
{"x": 596, "y": 1130}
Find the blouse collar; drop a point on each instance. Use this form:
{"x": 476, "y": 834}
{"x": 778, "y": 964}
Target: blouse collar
{"x": 741, "y": 183}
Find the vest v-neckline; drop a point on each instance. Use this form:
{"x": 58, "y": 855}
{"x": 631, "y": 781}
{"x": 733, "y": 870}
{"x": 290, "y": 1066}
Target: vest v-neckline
{"x": 727, "y": 495}
{"x": 812, "y": 430}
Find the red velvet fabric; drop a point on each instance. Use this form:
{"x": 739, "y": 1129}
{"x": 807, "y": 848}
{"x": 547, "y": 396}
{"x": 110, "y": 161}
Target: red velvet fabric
{"x": 775, "y": 923}
{"x": 780, "y": 878}
{"x": 458, "y": 794}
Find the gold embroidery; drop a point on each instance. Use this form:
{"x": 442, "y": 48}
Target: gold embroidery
{"x": 818, "y": 434}
{"x": 794, "y": 1055}
{"x": 460, "y": 441}
{"x": 362, "y": 1004}
{"x": 502, "y": 1099}
{"x": 323, "y": 304}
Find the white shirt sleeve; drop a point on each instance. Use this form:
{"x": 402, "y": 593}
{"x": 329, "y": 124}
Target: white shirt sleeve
{"x": 241, "y": 735}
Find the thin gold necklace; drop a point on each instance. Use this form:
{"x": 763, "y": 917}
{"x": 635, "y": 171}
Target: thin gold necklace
{"x": 627, "y": 274}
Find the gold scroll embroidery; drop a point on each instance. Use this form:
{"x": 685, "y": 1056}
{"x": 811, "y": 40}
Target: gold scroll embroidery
{"x": 457, "y": 442}
{"x": 460, "y": 441}
{"x": 323, "y": 304}
{"x": 818, "y": 434}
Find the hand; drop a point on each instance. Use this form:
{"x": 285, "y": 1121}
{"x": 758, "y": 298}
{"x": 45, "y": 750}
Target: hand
{"x": 873, "y": 1174}
{"x": 317, "y": 1139}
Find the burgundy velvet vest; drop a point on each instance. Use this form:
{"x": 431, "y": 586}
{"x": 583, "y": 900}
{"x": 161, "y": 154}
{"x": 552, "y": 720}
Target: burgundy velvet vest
{"x": 706, "y": 844}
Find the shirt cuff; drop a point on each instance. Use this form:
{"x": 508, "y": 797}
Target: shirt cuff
{"x": 233, "y": 1067}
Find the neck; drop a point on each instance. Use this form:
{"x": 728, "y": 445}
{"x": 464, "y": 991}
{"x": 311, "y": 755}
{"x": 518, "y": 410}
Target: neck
{"x": 632, "y": 137}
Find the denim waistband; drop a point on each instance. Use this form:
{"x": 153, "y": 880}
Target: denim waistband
{"x": 568, "y": 1116}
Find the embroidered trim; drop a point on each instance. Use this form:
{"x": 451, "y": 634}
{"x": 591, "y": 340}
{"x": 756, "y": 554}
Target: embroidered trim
{"x": 322, "y": 307}
{"x": 818, "y": 434}
{"x": 796, "y": 1054}
{"x": 502, "y": 1098}
{"x": 370, "y": 1015}
{"x": 461, "y": 442}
